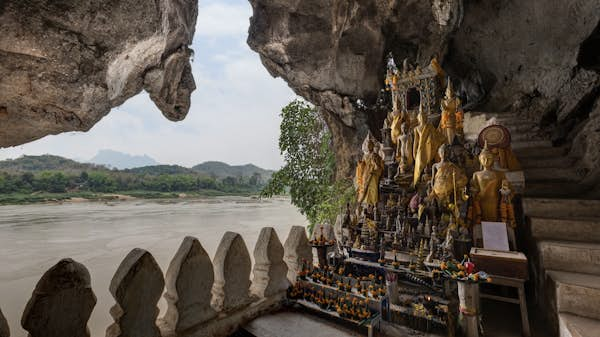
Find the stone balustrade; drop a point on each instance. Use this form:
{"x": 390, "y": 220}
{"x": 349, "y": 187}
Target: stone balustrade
{"x": 204, "y": 298}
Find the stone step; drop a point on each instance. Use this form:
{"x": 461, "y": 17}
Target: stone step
{"x": 574, "y": 293}
{"x": 577, "y": 257}
{"x": 539, "y": 152}
{"x": 509, "y": 122}
{"x": 550, "y": 174}
{"x": 531, "y": 143}
{"x": 576, "y": 326}
{"x": 523, "y": 127}
{"x": 524, "y": 136}
{"x": 561, "y": 208}
{"x": 576, "y": 229}
{"x": 540, "y": 189}
{"x": 545, "y": 162}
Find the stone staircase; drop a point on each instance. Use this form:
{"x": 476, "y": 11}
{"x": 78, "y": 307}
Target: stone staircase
{"x": 549, "y": 171}
{"x": 566, "y": 239}
{"x": 562, "y": 231}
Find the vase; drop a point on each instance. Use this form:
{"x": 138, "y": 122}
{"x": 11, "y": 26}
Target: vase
{"x": 469, "y": 315}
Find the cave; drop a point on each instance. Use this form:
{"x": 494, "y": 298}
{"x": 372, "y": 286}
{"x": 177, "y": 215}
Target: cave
{"x": 589, "y": 51}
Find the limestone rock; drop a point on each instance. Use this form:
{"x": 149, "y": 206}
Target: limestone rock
{"x": 270, "y": 272}
{"x": 61, "y": 304}
{"x": 189, "y": 281}
{"x": 65, "y": 64}
{"x": 136, "y": 287}
{"x": 296, "y": 250}
{"x": 232, "y": 267}
{"x": 538, "y": 58}
{"x": 4, "y": 330}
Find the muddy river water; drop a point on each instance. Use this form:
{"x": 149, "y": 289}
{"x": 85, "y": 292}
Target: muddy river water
{"x": 99, "y": 235}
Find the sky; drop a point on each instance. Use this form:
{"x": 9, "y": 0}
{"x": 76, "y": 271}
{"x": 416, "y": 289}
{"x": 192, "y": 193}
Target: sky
{"x": 234, "y": 116}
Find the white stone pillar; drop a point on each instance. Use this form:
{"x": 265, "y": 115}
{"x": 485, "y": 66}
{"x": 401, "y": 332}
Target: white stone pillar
{"x": 232, "y": 267}
{"x": 188, "y": 282}
{"x": 270, "y": 272}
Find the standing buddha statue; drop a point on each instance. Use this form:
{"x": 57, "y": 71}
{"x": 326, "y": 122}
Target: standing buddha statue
{"x": 450, "y": 114}
{"x": 485, "y": 185}
{"x": 447, "y": 178}
{"x": 426, "y": 142}
{"x": 368, "y": 174}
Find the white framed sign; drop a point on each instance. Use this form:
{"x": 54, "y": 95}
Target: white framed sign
{"x": 495, "y": 236}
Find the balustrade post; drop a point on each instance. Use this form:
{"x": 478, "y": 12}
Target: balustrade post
{"x": 296, "y": 251}
{"x": 270, "y": 272}
{"x": 232, "y": 267}
{"x": 4, "y": 330}
{"x": 189, "y": 281}
{"x": 136, "y": 286}
{"x": 61, "y": 303}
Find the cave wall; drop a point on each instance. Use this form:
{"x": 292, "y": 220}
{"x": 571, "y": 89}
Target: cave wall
{"x": 65, "y": 63}
{"x": 535, "y": 57}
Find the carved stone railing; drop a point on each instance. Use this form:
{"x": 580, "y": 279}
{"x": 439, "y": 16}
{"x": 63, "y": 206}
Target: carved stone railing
{"x": 204, "y": 298}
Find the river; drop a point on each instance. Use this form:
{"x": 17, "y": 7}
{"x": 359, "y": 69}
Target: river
{"x": 99, "y": 235}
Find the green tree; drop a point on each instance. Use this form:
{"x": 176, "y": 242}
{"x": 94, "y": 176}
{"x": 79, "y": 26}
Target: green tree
{"x": 305, "y": 143}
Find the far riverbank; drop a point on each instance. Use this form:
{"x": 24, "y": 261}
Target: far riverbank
{"x": 85, "y": 196}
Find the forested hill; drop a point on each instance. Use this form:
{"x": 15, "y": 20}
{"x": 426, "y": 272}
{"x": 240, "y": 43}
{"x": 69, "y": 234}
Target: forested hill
{"x": 220, "y": 170}
{"x": 31, "y": 175}
{"x": 46, "y": 162}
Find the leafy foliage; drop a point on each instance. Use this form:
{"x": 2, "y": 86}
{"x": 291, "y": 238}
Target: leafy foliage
{"x": 306, "y": 145}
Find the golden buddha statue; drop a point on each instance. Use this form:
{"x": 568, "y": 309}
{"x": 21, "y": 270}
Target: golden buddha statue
{"x": 426, "y": 142}
{"x": 450, "y": 106}
{"x": 368, "y": 173}
{"x": 485, "y": 185}
{"x": 447, "y": 178}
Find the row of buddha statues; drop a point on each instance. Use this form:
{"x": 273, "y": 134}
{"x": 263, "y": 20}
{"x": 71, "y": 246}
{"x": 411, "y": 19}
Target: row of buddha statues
{"x": 446, "y": 176}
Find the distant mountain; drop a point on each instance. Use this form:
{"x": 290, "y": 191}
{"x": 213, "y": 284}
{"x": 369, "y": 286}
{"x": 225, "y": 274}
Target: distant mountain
{"x": 222, "y": 170}
{"x": 120, "y": 160}
{"x": 45, "y": 163}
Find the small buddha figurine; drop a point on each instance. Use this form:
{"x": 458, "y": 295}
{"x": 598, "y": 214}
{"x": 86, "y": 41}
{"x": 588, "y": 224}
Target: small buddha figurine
{"x": 433, "y": 245}
{"x": 485, "y": 185}
{"x": 404, "y": 149}
{"x": 426, "y": 142}
{"x": 368, "y": 173}
{"x": 446, "y": 177}
{"x": 450, "y": 106}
